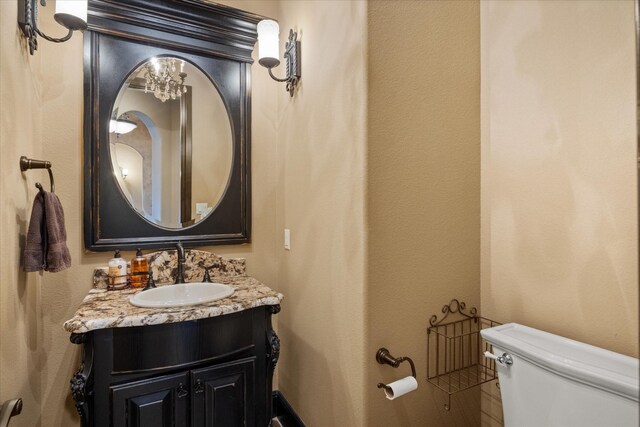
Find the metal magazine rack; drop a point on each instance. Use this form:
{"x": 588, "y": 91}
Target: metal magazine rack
{"x": 455, "y": 360}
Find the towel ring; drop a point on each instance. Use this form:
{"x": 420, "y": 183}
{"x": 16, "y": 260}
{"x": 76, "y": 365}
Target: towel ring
{"x": 26, "y": 164}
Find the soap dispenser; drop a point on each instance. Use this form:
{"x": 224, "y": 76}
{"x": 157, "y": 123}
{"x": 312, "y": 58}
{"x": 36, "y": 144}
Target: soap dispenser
{"x": 139, "y": 270}
{"x": 117, "y": 271}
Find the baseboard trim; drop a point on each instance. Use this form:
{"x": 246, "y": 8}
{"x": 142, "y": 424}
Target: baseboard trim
{"x": 284, "y": 412}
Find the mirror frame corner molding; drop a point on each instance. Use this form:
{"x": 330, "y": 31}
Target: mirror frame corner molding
{"x": 220, "y": 40}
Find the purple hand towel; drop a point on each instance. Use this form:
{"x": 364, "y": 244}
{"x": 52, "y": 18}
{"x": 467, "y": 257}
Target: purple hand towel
{"x": 36, "y": 237}
{"x": 46, "y": 246}
{"x": 57, "y": 256}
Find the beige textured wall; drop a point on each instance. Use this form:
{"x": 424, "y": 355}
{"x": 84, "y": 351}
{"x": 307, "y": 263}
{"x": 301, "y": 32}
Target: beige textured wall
{"x": 423, "y": 193}
{"x": 20, "y": 130}
{"x": 320, "y": 197}
{"x": 259, "y": 254}
{"x": 559, "y": 184}
{"x": 42, "y": 104}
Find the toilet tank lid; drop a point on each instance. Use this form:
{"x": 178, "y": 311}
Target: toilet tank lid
{"x": 582, "y": 362}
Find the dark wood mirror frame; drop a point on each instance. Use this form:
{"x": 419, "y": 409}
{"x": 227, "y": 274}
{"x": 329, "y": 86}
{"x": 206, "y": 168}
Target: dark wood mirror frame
{"x": 124, "y": 34}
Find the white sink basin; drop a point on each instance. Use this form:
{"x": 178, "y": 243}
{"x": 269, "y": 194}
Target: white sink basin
{"x": 181, "y": 295}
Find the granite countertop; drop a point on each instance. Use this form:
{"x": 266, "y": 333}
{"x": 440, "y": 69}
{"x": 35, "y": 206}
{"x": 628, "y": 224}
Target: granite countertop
{"x": 103, "y": 309}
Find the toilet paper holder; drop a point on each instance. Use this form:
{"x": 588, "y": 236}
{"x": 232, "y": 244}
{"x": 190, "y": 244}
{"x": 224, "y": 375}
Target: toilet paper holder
{"x": 383, "y": 357}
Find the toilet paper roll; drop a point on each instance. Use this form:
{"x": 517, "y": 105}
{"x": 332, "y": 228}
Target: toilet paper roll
{"x": 400, "y": 387}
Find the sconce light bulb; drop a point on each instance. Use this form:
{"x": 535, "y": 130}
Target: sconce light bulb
{"x": 71, "y": 14}
{"x": 268, "y": 43}
{"x": 125, "y": 173}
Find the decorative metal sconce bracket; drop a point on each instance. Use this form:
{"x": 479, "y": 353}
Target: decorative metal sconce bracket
{"x": 292, "y": 56}
{"x": 28, "y": 23}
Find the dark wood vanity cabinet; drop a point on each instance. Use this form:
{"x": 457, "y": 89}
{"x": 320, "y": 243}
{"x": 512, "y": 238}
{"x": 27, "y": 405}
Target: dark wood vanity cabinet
{"x": 158, "y": 402}
{"x": 209, "y": 372}
{"x": 220, "y": 395}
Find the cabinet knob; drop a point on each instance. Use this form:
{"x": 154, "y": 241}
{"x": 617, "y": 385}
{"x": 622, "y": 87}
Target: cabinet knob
{"x": 182, "y": 391}
{"x": 198, "y": 387}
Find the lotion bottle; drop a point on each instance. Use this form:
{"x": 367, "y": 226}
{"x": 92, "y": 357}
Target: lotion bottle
{"x": 118, "y": 271}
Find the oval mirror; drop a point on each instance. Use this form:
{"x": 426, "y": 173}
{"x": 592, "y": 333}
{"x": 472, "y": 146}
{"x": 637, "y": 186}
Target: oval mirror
{"x": 170, "y": 142}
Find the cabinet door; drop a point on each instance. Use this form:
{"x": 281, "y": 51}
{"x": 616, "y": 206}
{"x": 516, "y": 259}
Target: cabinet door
{"x": 155, "y": 402}
{"x": 224, "y": 395}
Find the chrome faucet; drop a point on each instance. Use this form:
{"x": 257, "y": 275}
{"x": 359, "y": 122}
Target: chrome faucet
{"x": 181, "y": 260}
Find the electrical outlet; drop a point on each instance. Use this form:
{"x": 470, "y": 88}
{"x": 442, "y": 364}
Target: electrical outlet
{"x": 287, "y": 239}
{"x": 201, "y": 208}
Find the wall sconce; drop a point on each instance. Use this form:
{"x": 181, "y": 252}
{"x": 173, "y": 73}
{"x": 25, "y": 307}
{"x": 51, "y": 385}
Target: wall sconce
{"x": 124, "y": 172}
{"x": 71, "y": 14}
{"x": 269, "y": 52}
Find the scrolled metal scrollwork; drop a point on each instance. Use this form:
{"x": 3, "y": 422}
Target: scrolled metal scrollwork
{"x": 30, "y": 26}
{"x": 454, "y": 306}
{"x": 292, "y": 67}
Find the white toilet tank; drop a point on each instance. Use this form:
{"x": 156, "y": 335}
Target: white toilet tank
{"x": 555, "y": 381}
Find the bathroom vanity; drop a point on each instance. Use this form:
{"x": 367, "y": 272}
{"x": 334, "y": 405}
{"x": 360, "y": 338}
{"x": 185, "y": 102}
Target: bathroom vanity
{"x": 167, "y": 123}
{"x": 207, "y": 364}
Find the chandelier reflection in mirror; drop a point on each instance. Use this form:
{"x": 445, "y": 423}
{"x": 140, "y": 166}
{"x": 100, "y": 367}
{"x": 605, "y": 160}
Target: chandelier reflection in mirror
{"x": 161, "y": 78}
